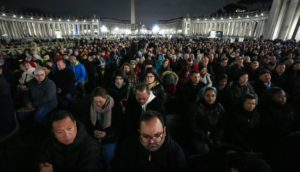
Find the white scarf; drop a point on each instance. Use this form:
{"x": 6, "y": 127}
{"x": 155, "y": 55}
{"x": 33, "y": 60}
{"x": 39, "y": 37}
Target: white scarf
{"x": 29, "y": 74}
{"x": 152, "y": 96}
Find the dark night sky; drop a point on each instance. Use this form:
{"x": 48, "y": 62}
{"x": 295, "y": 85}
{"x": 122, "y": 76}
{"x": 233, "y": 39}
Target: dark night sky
{"x": 147, "y": 11}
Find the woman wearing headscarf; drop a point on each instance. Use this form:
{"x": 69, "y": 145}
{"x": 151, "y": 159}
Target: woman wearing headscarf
{"x": 152, "y": 79}
{"x": 243, "y": 124}
{"x": 206, "y": 120}
{"x": 105, "y": 122}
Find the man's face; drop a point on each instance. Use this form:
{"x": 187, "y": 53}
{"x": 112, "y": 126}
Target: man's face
{"x": 142, "y": 97}
{"x": 271, "y": 68}
{"x": 19, "y": 52}
{"x": 152, "y": 134}
{"x": 265, "y": 77}
{"x": 39, "y": 75}
{"x": 195, "y": 78}
{"x": 46, "y": 70}
{"x": 266, "y": 61}
{"x": 224, "y": 63}
{"x": 126, "y": 69}
{"x": 73, "y": 61}
{"x": 279, "y": 97}
{"x": 254, "y": 66}
{"x": 60, "y": 65}
{"x": 280, "y": 69}
{"x": 65, "y": 130}
{"x": 239, "y": 62}
{"x": 296, "y": 66}
{"x": 76, "y": 53}
{"x": 205, "y": 61}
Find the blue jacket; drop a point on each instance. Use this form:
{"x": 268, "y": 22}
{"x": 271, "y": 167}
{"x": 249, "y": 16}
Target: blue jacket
{"x": 79, "y": 71}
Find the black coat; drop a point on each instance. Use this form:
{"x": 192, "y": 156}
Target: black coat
{"x": 204, "y": 119}
{"x": 219, "y": 70}
{"x": 243, "y": 128}
{"x": 133, "y": 157}
{"x": 7, "y": 122}
{"x": 65, "y": 80}
{"x": 133, "y": 113}
{"x": 159, "y": 92}
{"x": 43, "y": 94}
{"x": 259, "y": 87}
{"x": 83, "y": 155}
{"x": 235, "y": 72}
{"x": 237, "y": 90}
{"x": 279, "y": 80}
{"x": 253, "y": 75}
{"x": 189, "y": 93}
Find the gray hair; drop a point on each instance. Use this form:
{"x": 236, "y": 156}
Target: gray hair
{"x": 39, "y": 69}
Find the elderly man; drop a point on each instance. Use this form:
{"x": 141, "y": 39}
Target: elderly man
{"x": 153, "y": 150}
{"x": 79, "y": 71}
{"x": 263, "y": 83}
{"x": 69, "y": 148}
{"x": 40, "y": 97}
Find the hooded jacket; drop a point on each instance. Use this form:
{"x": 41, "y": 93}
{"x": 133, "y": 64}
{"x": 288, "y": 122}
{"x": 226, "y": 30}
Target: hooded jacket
{"x": 41, "y": 94}
{"x": 133, "y": 157}
{"x": 168, "y": 83}
{"x": 237, "y": 90}
{"x": 79, "y": 71}
{"x": 83, "y": 155}
{"x": 157, "y": 90}
{"x": 206, "y": 121}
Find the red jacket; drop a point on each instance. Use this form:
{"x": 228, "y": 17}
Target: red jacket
{"x": 182, "y": 81}
{"x": 137, "y": 72}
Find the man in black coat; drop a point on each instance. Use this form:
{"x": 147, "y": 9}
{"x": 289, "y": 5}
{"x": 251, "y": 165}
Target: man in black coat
{"x": 64, "y": 79}
{"x": 222, "y": 68}
{"x": 279, "y": 78}
{"x": 153, "y": 150}
{"x": 144, "y": 100}
{"x": 263, "y": 83}
{"x": 236, "y": 69}
{"x": 70, "y": 148}
{"x": 191, "y": 89}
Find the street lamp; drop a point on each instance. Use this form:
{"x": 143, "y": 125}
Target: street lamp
{"x": 103, "y": 29}
{"x": 155, "y": 29}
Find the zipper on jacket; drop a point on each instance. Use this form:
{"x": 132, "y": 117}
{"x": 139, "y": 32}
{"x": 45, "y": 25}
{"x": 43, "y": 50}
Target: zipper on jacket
{"x": 149, "y": 157}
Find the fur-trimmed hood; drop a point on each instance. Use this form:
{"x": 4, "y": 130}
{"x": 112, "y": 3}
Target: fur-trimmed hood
{"x": 167, "y": 73}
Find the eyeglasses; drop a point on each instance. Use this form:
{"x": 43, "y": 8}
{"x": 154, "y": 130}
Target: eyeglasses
{"x": 40, "y": 75}
{"x": 157, "y": 138}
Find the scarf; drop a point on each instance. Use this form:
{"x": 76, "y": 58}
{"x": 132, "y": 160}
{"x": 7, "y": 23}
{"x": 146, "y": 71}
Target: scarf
{"x": 119, "y": 86}
{"x": 209, "y": 106}
{"x": 151, "y": 97}
{"x": 153, "y": 84}
{"x": 27, "y": 76}
{"x": 105, "y": 109}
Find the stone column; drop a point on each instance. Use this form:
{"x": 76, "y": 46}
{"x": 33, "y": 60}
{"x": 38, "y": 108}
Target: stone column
{"x": 272, "y": 19}
{"x": 280, "y": 19}
{"x": 287, "y": 22}
{"x": 132, "y": 12}
{"x": 14, "y": 29}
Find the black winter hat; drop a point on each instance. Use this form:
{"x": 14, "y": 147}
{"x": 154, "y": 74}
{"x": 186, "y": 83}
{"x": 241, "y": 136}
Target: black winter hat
{"x": 154, "y": 72}
{"x": 264, "y": 71}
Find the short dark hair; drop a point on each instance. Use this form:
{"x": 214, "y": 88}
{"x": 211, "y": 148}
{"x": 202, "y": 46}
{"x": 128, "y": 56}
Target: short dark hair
{"x": 248, "y": 96}
{"x": 149, "y": 115}
{"x": 194, "y": 71}
{"x": 59, "y": 115}
{"x": 142, "y": 87}
{"x": 49, "y": 61}
{"x": 47, "y": 66}
{"x": 64, "y": 61}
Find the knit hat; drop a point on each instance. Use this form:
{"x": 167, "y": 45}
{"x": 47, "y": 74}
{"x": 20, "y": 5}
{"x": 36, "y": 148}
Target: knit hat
{"x": 72, "y": 58}
{"x": 31, "y": 63}
{"x": 264, "y": 71}
{"x": 133, "y": 61}
{"x": 2, "y": 61}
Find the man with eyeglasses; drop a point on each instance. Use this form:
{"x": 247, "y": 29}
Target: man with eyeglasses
{"x": 152, "y": 150}
{"x": 40, "y": 98}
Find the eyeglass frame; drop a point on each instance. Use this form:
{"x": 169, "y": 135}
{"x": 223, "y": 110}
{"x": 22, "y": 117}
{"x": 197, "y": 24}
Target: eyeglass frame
{"x": 152, "y": 138}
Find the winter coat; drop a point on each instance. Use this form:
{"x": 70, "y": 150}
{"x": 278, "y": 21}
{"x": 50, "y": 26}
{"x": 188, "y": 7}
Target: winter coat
{"x": 253, "y": 75}
{"x": 219, "y": 70}
{"x": 243, "y": 128}
{"x": 65, "y": 79}
{"x": 133, "y": 157}
{"x": 41, "y": 94}
{"x": 181, "y": 82}
{"x": 79, "y": 71}
{"x": 83, "y": 155}
{"x": 237, "y": 90}
{"x": 189, "y": 94}
{"x": 134, "y": 111}
{"x": 161, "y": 70}
{"x": 206, "y": 121}
{"x": 259, "y": 87}
{"x": 234, "y": 72}
{"x": 7, "y": 122}
{"x": 168, "y": 83}
{"x": 279, "y": 80}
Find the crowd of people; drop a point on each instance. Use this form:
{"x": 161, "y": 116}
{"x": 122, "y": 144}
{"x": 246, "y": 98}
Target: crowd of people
{"x": 236, "y": 101}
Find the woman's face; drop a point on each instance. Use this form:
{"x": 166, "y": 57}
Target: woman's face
{"x": 223, "y": 82}
{"x": 99, "y": 101}
{"x": 187, "y": 74}
{"x": 150, "y": 78}
{"x": 203, "y": 71}
{"x": 249, "y": 104}
{"x": 119, "y": 80}
{"x": 210, "y": 96}
{"x": 27, "y": 66}
{"x": 165, "y": 64}
{"x": 133, "y": 65}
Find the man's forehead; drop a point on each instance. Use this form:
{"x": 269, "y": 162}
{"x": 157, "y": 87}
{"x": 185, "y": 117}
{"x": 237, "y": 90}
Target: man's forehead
{"x": 63, "y": 123}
